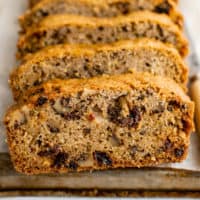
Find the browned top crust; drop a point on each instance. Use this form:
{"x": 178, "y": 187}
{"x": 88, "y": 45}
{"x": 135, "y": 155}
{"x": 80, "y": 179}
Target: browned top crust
{"x": 64, "y": 19}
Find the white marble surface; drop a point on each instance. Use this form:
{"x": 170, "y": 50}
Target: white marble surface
{"x": 9, "y": 12}
{"x": 191, "y": 11}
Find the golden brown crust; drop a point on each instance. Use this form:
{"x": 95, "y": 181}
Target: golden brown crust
{"x": 58, "y": 21}
{"x": 77, "y": 49}
{"x": 102, "y": 8}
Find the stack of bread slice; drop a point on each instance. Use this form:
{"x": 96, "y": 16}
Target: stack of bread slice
{"x": 101, "y": 85}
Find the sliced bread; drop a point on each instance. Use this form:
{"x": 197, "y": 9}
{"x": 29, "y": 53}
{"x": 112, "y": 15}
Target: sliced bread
{"x": 100, "y": 8}
{"x": 133, "y": 120}
{"x": 58, "y": 29}
{"x": 32, "y": 3}
{"x": 85, "y": 61}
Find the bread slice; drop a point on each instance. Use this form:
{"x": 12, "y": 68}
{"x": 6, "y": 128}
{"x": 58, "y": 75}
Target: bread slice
{"x": 122, "y": 121}
{"x": 58, "y": 29}
{"x": 100, "y": 8}
{"x": 34, "y": 2}
{"x": 84, "y": 61}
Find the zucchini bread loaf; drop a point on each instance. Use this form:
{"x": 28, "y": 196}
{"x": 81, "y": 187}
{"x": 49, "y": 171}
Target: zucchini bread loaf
{"x": 133, "y": 120}
{"x": 100, "y": 8}
{"x": 84, "y": 61}
{"x": 58, "y": 29}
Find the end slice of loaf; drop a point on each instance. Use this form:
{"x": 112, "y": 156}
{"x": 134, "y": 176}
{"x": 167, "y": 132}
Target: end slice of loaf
{"x": 121, "y": 121}
{"x": 85, "y": 61}
{"x": 100, "y": 8}
{"x": 58, "y": 29}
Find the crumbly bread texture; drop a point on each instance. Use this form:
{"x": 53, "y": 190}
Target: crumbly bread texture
{"x": 58, "y": 29}
{"x": 133, "y": 120}
{"x": 85, "y": 61}
{"x": 100, "y": 8}
{"x": 34, "y": 2}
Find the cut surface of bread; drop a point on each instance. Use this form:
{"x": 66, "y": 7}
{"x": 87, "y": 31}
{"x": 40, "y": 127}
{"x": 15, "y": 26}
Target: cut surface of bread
{"x": 58, "y": 29}
{"x": 32, "y": 3}
{"x": 85, "y": 61}
{"x": 121, "y": 121}
{"x": 100, "y": 8}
